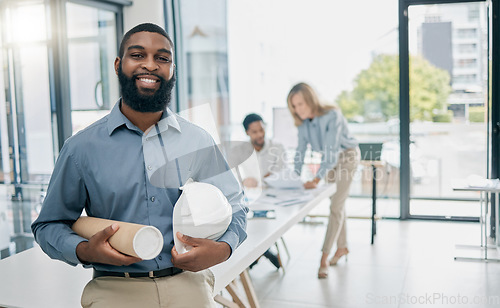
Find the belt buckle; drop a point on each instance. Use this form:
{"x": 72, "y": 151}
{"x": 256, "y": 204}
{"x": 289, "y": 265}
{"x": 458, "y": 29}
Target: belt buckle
{"x": 151, "y": 274}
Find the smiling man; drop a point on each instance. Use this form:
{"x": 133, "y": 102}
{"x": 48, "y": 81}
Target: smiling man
{"x": 107, "y": 168}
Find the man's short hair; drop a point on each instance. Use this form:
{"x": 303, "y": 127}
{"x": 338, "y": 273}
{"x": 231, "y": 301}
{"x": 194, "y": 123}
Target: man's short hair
{"x": 249, "y": 119}
{"x": 145, "y": 27}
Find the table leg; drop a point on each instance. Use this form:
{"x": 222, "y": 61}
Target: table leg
{"x": 237, "y": 297}
{"x": 484, "y": 234}
{"x": 485, "y": 222}
{"x": 374, "y": 202}
{"x": 481, "y": 219}
{"x": 280, "y": 261}
{"x": 497, "y": 233}
{"x": 249, "y": 290}
{"x": 226, "y": 302}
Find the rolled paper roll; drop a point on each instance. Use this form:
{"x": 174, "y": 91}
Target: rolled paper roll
{"x": 145, "y": 242}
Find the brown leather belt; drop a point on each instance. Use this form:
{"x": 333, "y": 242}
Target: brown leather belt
{"x": 171, "y": 271}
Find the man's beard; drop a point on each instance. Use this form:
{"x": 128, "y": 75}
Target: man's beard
{"x": 258, "y": 143}
{"x": 158, "y": 101}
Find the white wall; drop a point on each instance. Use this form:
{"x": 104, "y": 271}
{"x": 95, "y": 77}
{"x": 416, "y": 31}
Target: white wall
{"x": 143, "y": 11}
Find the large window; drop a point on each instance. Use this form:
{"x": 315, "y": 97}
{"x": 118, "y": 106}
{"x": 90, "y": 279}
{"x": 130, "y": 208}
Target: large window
{"x": 26, "y": 109}
{"x": 92, "y": 49}
{"x": 202, "y": 64}
{"x": 448, "y": 65}
{"x": 349, "y": 55}
{"x": 57, "y": 57}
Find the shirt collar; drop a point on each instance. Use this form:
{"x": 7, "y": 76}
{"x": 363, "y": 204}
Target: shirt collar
{"x": 168, "y": 118}
{"x": 116, "y": 119}
{"x": 264, "y": 147}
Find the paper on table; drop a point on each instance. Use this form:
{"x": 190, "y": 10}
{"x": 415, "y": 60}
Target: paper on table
{"x": 476, "y": 181}
{"x": 285, "y": 197}
{"x": 285, "y": 179}
{"x": 145, "y": 242}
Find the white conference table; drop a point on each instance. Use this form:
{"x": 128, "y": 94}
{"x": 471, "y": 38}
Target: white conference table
{"x": 483, "y": 219}
{"x": 32, "y": 279}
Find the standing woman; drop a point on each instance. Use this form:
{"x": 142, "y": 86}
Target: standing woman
{"x": 325, "y": 129}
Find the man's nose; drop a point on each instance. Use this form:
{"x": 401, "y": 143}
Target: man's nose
{"x": 150, "y": 64}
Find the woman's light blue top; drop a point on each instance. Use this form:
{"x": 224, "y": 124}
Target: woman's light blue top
{"x": 327, "y": 134}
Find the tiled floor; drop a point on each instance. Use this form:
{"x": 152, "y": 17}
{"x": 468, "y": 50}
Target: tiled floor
{"x": 411, "y": 264}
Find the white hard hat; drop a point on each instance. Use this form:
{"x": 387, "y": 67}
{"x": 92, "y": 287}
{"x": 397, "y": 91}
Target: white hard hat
{"x": 202, "y": 211}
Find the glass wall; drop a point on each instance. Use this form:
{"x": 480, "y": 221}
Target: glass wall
{"x": 202, "y": 64}
{"x": 350, "y": 56}
{"x": 27, "y": 120}
{"x": 92, "y": 49}
{"x": 26, "y": 130}
{"x": 448, "y": 106}
{"x": 45, "y": 56}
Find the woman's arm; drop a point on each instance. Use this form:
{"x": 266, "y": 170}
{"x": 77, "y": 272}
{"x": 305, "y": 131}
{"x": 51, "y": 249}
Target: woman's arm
{"x": 301, "y": 150}
{"x": 331, "y": 135}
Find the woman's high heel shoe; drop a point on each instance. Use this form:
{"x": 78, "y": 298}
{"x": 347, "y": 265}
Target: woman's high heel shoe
{"x": 323, "y": 272}
{"x": 336, "y": 258}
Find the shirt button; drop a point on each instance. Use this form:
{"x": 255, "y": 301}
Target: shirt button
{"x": 152, "y": 199}
{"x": 160, "y": 258}
{"x": 150, "y": 168}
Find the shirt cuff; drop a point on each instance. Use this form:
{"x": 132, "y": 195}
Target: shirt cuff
{"x": 231, "y": 238}
{"x": 321, "y": 173}
{"x": 70, "y": 253}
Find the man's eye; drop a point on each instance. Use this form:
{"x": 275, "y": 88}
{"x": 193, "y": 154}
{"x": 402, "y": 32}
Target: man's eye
{"x": 136, "y": 55}
{"x": 164, "y": 59}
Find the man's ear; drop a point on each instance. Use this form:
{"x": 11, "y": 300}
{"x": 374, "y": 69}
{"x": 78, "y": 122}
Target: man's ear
{"x": 246, "y": 132}
{"x": 117, "y": 65}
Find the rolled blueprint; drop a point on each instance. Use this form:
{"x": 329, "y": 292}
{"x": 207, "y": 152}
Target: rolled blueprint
{"x": 141, "y": 241}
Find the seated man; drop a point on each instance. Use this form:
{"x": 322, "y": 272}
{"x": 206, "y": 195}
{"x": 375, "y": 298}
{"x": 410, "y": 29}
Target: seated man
{"x": 270, "y": 156}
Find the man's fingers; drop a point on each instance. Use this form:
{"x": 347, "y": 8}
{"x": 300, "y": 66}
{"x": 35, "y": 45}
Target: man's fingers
{"x": 174, "y": 252}
{"x": 105, "y": 234}
{"x": 186, "y": 239}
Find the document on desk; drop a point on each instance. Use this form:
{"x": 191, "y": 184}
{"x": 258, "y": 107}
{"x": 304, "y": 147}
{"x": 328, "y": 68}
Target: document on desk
{"x": 475, "y": 181}
{"x": 284, "y": 197}
{"x": 285, "y": 179}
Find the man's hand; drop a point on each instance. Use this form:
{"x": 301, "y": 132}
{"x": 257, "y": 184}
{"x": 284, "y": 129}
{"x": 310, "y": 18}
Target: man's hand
{"x": 204, "y": 254}
{"x": 98, "y": 250}
{"x": 250, "y": 182}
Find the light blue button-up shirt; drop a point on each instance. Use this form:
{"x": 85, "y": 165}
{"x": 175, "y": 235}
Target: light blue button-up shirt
{"x": 115, "y": 171}
{"x": 327, "y": 134}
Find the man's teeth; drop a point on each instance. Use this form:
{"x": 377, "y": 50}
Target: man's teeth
{"x": 147, "y": 80}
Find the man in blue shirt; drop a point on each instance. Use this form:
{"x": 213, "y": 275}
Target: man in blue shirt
{"x": 129, "y": 166}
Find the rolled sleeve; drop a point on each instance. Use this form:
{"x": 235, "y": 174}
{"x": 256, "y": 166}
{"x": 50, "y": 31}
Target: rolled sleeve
{"x": 231, "y": 238}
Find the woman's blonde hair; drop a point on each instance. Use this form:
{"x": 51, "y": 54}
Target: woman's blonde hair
{"x": 312, "y": 100}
